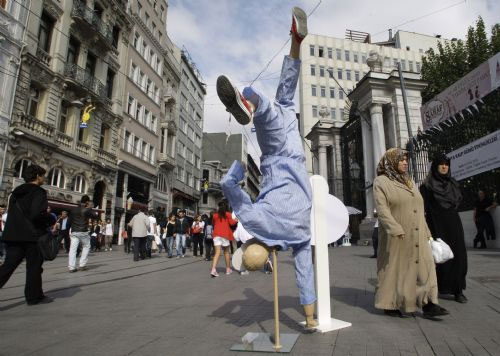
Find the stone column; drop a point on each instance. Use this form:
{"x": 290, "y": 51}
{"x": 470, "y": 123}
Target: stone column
{"x": 377, "y": 121}
{"x": 323, "y": 164}
{"x": 124, "y": 206}
{"x": 368, "y": 165}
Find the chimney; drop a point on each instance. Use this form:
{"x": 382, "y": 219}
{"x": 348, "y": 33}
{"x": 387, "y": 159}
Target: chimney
{"x": 390, "y": 34}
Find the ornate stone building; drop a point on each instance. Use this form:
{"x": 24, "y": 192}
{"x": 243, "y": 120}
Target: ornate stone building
{"x": 74, "y": 52}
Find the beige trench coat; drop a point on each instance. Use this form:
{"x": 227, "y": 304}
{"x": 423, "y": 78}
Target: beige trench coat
{"x": 405, "y": 267}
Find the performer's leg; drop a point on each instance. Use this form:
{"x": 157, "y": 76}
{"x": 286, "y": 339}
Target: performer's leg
{"x": 304, "y": 273}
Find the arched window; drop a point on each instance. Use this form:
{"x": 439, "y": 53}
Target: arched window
{"x": 79, "y": 184}
{"x": 20, "y": 166}
{"x": 56, "y": 178}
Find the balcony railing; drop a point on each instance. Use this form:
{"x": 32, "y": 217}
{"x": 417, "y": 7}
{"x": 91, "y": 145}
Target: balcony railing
{"x": 36, "y": 126}
{"x": 64, "y": 140}
{"x": 81, "y": 11}
{"x": 86, "y": 80}
{"x": 106, "y": 156}
{"x": 83, "y": 148}
{"x": 166, "y": 160}
{"x": 43, "y": 56}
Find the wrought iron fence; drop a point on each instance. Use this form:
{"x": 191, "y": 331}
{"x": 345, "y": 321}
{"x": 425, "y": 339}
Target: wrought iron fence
{"x": 82, "y": 11}
{"x": 353, "y": 177}
{"x": 86, "y": 80}
{"x": 447, "y": 138}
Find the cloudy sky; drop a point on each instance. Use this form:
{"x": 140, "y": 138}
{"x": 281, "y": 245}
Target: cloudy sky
{"x": 239, "y": 37}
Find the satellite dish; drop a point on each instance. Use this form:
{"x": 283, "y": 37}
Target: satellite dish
{"x": 334, "y": 212}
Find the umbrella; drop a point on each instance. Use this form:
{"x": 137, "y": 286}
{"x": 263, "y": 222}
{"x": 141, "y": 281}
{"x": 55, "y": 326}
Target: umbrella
{"x": 353, "y": 211}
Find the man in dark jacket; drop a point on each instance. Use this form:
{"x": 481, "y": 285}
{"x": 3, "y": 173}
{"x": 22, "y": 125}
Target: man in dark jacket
{"x": 27, "y": 220}
{"x": 79, "y": 233}
{"x": 182, "y": 226}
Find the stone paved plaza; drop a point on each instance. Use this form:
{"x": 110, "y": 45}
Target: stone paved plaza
{"x": 172, "y": 307}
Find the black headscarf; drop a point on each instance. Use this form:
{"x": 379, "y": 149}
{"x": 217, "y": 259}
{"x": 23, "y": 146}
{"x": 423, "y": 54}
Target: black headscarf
{"x": 445, "y": 189}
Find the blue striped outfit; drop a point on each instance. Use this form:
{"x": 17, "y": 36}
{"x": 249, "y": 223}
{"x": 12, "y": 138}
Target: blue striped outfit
{"x": 281, "y": 215}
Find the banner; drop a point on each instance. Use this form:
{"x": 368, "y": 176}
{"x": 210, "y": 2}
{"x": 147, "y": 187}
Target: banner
{"x": 463, "y": 93}
{"x": 477, "y": 157}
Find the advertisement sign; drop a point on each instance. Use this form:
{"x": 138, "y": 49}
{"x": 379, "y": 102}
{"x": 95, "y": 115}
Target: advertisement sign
{"x": 463, "y": 93}
{"x": 477, "y": 157}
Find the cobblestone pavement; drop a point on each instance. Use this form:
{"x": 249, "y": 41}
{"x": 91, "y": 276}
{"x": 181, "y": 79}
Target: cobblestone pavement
{"x": 172, "y": 307}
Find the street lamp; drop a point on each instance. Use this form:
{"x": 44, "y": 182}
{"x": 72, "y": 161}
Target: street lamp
{"x": 355, "y": 170}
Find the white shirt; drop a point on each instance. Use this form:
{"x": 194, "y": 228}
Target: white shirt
{"x": 109, "y": 230}
{"x": 152, "y": 223}
{"x": 63, "y": 224}
{"x": 200, "y": 224}
{"x": 240, "y": 234}
{"x": 376, "y": 223}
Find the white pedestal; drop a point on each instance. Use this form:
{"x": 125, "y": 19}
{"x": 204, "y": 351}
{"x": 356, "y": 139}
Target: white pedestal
{"x": 331, "y": 325}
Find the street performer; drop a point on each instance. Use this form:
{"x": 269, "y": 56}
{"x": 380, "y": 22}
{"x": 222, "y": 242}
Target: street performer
{"x": 280, "y": 218}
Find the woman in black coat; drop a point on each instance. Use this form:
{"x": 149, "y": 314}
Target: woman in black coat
{"x": 442, "y": 197}
{"x": 27, "y": 220}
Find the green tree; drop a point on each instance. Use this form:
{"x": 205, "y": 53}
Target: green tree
{"x": 457, "y": 58}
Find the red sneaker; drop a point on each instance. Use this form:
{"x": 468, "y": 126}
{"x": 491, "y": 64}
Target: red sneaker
{"x": 299, "y": 24}
{"x": 234, "y": 102}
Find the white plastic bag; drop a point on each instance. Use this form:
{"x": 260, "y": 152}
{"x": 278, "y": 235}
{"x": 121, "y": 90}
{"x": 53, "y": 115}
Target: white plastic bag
{"x": 441, "y": 251}
{"x": 157, "y": 240}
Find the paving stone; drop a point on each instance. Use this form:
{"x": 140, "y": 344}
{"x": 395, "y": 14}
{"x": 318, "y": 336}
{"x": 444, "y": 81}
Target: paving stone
{"x": 166, "y": 306}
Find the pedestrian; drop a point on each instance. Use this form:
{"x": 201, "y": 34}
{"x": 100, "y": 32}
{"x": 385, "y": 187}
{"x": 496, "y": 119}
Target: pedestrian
{"x": 108, "y": 235}
{"x": 28, "y": 219}
{"x": 241, "y": 236}
{"x": 482, "y": 217}
{"x": 197, "y": 234}
{"x": 223, "y": 234}
{"x": 375, "y": 237}
{"x": 80, "y": 233}
{"x": 94, "y": 235}
{"x": 65, "y": 226}
{"x": 181, "y": 232}
{"x": 2, "y": 224}
{"x": 151, "y": 233}
{"x": 405, "y": 267}
{"x": 140, "y": 225}
{"x": 280, "y": 217}
{"x": 208, "y": 240}
{"x": 442, "y": 197}
{"x": 126, "y": 240}
{"x": 170, "y": 235}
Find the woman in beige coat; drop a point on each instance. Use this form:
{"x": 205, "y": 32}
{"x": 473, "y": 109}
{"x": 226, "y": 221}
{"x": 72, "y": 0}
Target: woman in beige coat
{"x": 405, "y": 268}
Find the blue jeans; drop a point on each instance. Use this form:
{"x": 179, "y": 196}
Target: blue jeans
{"x": 180, "y": 240}
{"x": 169, "y": 245}
{"x": 149, "y": 244}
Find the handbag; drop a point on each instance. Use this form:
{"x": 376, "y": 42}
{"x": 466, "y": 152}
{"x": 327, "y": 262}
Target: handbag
{"x": 48, "y": 244}
{"x": 441, "y": 252}
{"x": 196, "y": 229}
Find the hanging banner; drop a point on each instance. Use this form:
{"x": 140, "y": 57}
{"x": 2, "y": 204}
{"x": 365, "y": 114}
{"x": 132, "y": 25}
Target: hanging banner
{"x": 476, "y": 157}
{"x": 463, "y": 93}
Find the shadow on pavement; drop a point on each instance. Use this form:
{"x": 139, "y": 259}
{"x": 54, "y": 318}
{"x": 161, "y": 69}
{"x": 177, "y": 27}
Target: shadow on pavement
{"x": 360, "y": 298}
{"x": 257, "y": 309}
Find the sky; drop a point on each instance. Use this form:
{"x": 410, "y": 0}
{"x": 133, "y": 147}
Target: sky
{"x": 238, "y": 38}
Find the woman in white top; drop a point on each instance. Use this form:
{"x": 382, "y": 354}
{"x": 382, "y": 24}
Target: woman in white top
{"x": 197, "y": 235}
{"x": 108, "y": 235}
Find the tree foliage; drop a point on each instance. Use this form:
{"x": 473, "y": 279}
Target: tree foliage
{"x": 454, "y": 59}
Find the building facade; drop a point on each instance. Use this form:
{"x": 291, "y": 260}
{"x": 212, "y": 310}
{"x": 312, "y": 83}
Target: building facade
{"x": 13, "y": 16}
{"x": 324, "y": 106}
{"x": 211, "y": 191}
{"x": 73, "y": 52}
{"x": 218, "y": 146}
{"x": 143, "y": 110}
{"x": 187, "y": 183}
